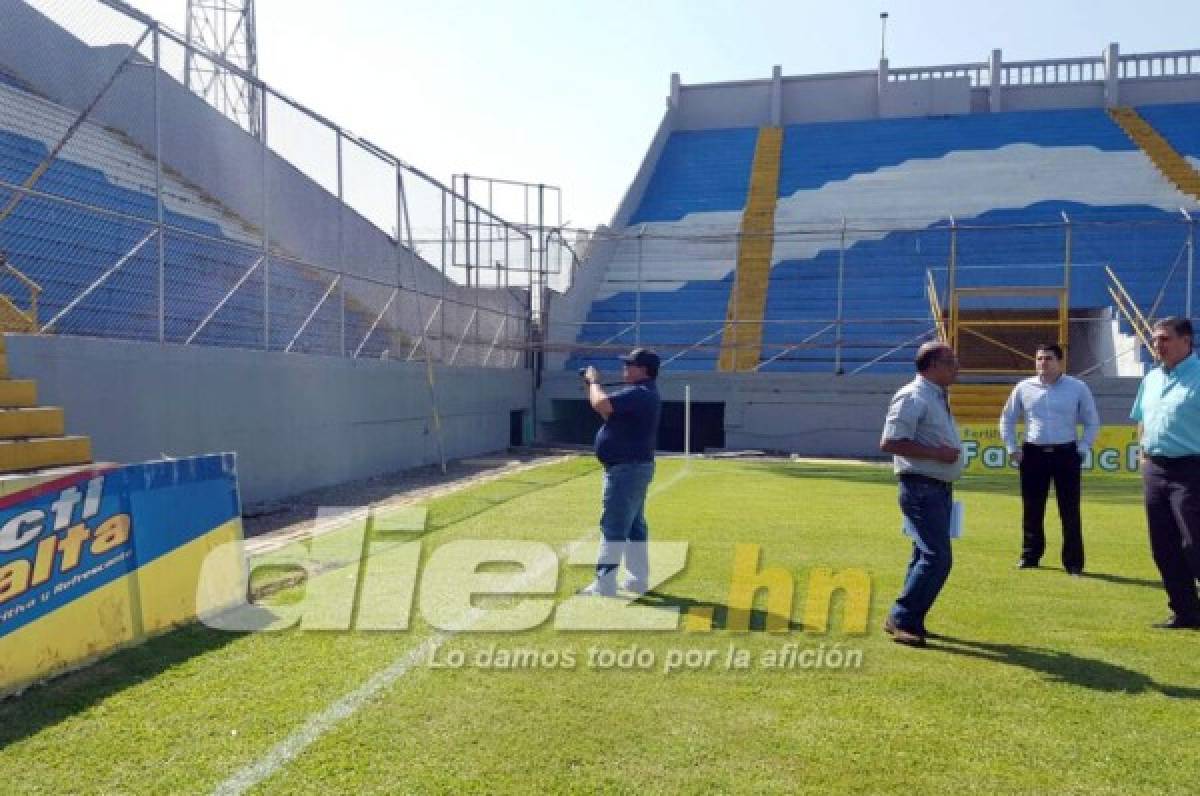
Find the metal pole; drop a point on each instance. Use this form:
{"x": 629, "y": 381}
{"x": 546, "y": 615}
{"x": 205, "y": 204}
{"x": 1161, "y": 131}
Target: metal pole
{"x": 158, "y": 194}
{"x": 1191, "y": 265}
{"x": 951, "y": 283}
{"x": 401, "y": 229}
{"x": 637, "y": 297}
{"x": 734, "y": 339}
{"x": 1064, "y": 303}
{"x": 1191, "y": 247}
{"x": 467, "y": 225}
{"x": 442, "y": 320}
{"x": 491, "y": 255}
{"x": 341, "y": 235}
{"x": 687, "y": 420}
{"x": 841, "y": 281}
{"x": 266, "y": 226}
{"x": 541, "y": 221}
{"x": 478, "y": 274}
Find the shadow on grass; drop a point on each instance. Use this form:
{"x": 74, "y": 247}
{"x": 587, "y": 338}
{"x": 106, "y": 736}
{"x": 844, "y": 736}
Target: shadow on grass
{"x": 61, "y": 698}
{"x": 1121, "y": 580}
{"x": 722, "y": 616}
{"x": 1064, "y": 667}
{"x": 1114, "y": 489}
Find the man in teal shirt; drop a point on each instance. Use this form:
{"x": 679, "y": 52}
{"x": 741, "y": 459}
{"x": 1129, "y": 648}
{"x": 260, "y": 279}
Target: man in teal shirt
{"x": 1167, "y": 410}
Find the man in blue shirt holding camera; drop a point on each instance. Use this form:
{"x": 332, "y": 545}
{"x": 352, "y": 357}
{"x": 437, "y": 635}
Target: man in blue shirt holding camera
{"x": 625, "y": 446}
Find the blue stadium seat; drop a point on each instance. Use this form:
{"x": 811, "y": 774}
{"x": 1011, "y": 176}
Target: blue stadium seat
{"x": 979, "y": 167}
{"x": 65, "y": 248}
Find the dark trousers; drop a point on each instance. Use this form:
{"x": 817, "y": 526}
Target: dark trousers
{"x": 1040, "y": 465}
{"x": 1172, "y": 488}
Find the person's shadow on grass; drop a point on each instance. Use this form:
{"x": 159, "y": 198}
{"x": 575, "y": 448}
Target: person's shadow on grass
{"x": 721, "y": 616}
{"x": 1122, "y": 580}
{"x": 1063, "y": 667}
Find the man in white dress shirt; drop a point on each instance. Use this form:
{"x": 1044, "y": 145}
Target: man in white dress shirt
{"x": 1051, "y": 405}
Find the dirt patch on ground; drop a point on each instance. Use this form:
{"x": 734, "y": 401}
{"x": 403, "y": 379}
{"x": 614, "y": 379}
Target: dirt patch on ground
{"x": 269, "y": 526}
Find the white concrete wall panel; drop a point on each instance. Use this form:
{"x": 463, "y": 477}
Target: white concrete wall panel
{"x": 296, "y": 422}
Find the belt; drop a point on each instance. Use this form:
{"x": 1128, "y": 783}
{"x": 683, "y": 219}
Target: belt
{"x": 1051, "y": 448}
{"x": 923, "y": 479}
{"x": 1168, "y": 461}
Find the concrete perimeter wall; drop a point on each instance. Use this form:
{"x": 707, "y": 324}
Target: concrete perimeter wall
{"x": 812, "y": 415}
{"x": 296, "y": 422}
{"x": 1105, "y": 80}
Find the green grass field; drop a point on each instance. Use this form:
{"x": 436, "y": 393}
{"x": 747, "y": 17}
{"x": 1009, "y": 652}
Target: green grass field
{"x": 1041, "y": 683}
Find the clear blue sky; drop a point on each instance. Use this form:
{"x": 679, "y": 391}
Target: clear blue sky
{"x": 569, "y": 93}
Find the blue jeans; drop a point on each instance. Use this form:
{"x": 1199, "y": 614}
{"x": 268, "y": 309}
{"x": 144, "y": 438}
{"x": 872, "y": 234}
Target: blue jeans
{"x": 927, "y": 505}
{"x": 623, "y": 522}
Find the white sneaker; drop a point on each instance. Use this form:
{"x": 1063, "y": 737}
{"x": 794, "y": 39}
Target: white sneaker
{"x": 598, "y": 589}
{"x": 632, "y": 584}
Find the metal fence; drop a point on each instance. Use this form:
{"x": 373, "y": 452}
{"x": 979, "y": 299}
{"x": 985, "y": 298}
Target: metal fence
{"x": 1058, "y": 71}
{"x": 144, "y": 214}
{"x": 853, "y": 296}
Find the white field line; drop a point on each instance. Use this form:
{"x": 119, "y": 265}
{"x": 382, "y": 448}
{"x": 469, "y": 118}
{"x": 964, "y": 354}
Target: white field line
{"x": 318, "y": 724}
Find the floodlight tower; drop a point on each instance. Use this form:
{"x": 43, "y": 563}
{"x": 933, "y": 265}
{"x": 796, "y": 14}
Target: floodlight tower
{"x": 224, "y": 28}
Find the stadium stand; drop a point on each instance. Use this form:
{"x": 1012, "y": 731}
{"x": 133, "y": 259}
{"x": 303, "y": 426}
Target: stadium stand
{"x": 1017, "y": 170}
{"x": 66, "y": 245}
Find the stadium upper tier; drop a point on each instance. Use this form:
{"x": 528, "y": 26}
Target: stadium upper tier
{"x": 897, "y": 183}
{"x": 108, "y": 218}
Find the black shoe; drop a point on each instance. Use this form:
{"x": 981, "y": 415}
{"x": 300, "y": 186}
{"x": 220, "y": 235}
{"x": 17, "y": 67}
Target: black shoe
{"x": 1178, "y": 623}
{"x": 1075, "y": 573}
{"x": 1023, "y": 564}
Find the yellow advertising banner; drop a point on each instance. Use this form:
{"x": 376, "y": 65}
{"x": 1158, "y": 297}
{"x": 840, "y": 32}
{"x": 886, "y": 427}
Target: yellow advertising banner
{"x": 109, "y": 556}
{"x": 1114, "y": 452}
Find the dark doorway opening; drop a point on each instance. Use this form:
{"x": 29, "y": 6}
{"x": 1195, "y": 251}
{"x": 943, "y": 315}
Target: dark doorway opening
{"x": 576, "y": 423}
{"x": 708, "y": 426}
{"x": 516, "y": 427}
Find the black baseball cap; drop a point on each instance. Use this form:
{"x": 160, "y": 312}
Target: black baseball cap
{"x": 644, "y": 357}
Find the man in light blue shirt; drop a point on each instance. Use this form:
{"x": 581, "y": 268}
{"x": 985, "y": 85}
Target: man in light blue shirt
{"x": 1167, "y": 410}
{"x": 1051, "y": 405}
{"x": 921, "y": 435}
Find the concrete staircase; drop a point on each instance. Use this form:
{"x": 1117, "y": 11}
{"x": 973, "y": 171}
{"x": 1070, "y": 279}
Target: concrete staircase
{"x": 741, "y": 340}
{"x": 1170, "y": 163}
{"x": 988, "y": 349}
{"x": 33, "y": 437}
{"x": 12, "y": 319}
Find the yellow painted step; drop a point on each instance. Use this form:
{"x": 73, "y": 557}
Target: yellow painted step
{"x": 34, "y": 454}
{"x": 971, "y": 400}
{"x": 38, "y": 421}
{"x": 979, "y": 402}
{"x": 18, "y": 393}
